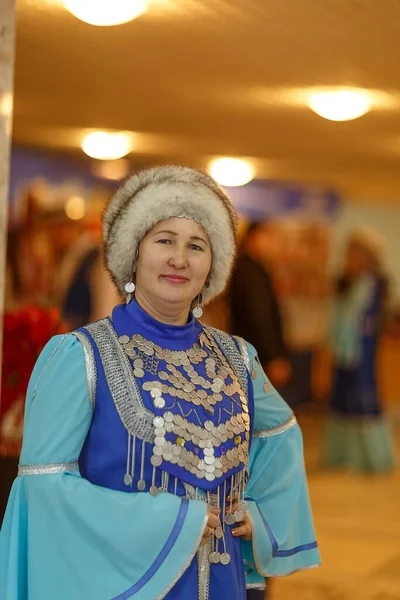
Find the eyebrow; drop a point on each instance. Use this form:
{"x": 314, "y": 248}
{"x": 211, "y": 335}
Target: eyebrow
{"x": 192, "y": 237}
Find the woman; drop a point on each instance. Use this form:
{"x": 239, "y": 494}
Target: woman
{"x": 357, "y": 434}
{"x": 157, "y": 460}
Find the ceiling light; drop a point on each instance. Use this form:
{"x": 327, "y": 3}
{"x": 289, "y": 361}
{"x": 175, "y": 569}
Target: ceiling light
{"x": 75, "y": 208}
{"x": 340, "y": 105}
{"x": 107, "y": 146}
{"x": 231, "y": 171}
{"x": 105, "y": 12}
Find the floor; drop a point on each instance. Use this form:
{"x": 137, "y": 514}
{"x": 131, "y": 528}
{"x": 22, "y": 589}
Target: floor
{"x": 358, "y": 527}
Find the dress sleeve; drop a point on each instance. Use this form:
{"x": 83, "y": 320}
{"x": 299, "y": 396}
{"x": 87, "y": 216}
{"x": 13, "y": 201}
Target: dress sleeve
{"x": 63, "y": 537}
{"x": 283, "y": 533}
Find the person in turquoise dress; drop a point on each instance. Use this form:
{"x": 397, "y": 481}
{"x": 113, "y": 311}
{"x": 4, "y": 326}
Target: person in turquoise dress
{"x": 158, "y": 461}
{"x": 358, "y": 436}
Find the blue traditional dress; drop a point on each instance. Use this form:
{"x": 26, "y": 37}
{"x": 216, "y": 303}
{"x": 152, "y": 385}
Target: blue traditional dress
{"x": 357, "y": 434}
{"x": 133, "y": 427}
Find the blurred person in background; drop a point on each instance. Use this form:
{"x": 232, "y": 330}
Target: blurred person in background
{"x": 357, "y": 435}
{"x": 255, "y": 313}
{"x": 85, "y": 291}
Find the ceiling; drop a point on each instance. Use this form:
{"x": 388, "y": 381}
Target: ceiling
{"x": 202, "y": 78}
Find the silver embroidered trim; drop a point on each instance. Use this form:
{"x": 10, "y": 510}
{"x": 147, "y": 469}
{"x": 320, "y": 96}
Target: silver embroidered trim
{"x": 125, "y": 392}
{"x": 91, "y": 368}
{"x": 255, "y": 586}
{"x": 234, "y": 356}
{"x": 244, "y": 351}
{"x": 285, "y": 573}
{"x": 261, "y": 433}
{"x": 204, "y": 571}
{"x": 46, "y": 365}
{"x": 187, "y": 562}
{"x": 49, "y": 469}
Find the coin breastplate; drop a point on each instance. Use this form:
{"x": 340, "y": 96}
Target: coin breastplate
{"x": 185, "y": 411}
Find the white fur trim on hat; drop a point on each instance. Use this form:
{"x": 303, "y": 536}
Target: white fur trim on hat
{"x": 153, "y": 195}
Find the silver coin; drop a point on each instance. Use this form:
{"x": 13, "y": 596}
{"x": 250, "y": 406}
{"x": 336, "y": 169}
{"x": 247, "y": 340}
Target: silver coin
{"x": 208, "y": 451}
{"x": 154, "y": 490}
{"x": 209, "y": 460}
{"x": 155, "y": 393}
{"x": 159, "y": 441}
{"x": 216, "y": 442}
{"x": 209, "y": 410}
{"x": 218, "y": 473}
{"x": 230, "y": 519}
{"x": 195, "y": 440}
{"x": 168, "y": 426}
{"x": 209, "y": 468}
{"x": 238, "y": 516}
{"x": 210, "y": 476}
{"x": 192, "y": 427}
{"x": 159, "y": 431}
{"x": 141, "y": 485}
{"x": 216, "y": 558}
{"x": 159, "y": 402}
{"x": 202, "y": 465}
{"x": 176, "y": 450}
{"x": 157, "y": 450}
{"x": 225, "y": 558}
{"x": 124, "y": 339}
{"x": 174, "y": 459}
{"x": 209, "y": 425}
{"x": 138, "y": 372}
{"x": 211, "y": 557}
{"x": 167, "y": 456}
{"x": 128, "y": 479}
{"x": 158, "y": 422}
{"x": 218, "y": 532}
{"x": 156, "y": 460}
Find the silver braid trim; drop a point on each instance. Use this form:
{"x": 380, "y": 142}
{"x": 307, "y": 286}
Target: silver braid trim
{"x": 261, "y": 433}
{"x": 244, "y": 351}
{"x": 91, "y": 368}
{"x": 125, "y": 392}
{"x": 48, "y": 469}
{"x": 234, "y": 356}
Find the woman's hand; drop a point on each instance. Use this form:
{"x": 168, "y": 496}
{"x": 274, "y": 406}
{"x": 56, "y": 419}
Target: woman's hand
{"x": 212, "y": 524}
{"x": 245, "y": 529}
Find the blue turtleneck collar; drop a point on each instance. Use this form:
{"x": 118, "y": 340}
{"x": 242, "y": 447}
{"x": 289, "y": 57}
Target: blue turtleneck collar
{"x": 150, "y": 328}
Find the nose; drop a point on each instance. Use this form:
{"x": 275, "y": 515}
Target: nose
{"x": 179, "y": 256}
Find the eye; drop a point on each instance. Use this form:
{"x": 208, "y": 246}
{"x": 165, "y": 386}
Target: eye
{"x": 164, "y": 241}
{"x": 196, "y": 247}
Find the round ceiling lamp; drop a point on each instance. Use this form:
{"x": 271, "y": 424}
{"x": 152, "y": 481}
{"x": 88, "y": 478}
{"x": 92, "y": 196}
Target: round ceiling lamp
{"x": 340, "y": 105}
{"x": 231, "y": 172}
{"x": 106, "y": 146}
{"x": 105, "y": 12}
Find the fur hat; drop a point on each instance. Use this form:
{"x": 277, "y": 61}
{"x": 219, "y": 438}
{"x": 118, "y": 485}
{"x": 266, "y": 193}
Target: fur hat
{"x": 156, "y": 194}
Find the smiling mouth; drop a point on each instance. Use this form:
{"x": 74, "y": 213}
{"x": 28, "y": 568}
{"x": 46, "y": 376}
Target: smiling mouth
{"x": 177, "y": 279}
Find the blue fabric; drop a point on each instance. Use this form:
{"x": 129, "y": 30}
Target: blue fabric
{"x": 62, "y": 536}
{"x": 355, "y": 390}
{"x": 103, "y": 458}
{"x": 66, "y": 537}
{"x": 283, "y": 536}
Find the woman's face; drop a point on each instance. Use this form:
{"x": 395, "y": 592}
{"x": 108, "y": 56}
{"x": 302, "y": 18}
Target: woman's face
{"x": 173, "y": 263}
